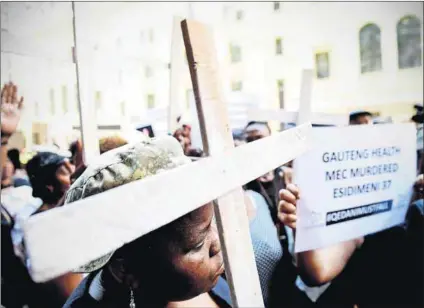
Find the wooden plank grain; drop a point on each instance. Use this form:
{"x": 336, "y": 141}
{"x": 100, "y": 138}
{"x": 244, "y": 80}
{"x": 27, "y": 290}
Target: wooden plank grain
{"x": 230, "y": 210}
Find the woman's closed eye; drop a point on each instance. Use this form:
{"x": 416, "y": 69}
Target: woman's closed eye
{"x": 198, "y": 246}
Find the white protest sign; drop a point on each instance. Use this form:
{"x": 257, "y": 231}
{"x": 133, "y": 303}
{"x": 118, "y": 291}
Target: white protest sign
{"x": 357, "y": 180}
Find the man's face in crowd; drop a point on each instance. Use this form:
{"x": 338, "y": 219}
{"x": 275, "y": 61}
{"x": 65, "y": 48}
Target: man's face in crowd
{"x": 363, "y": 119}
{"x": 256, "y": 134}
{"x": 63, "y": 178}
{"x": 186, "y": 258}
{"x": 186, "y": 131}
{"x": 7, "y": 173}
{"x": 252, "y": 135}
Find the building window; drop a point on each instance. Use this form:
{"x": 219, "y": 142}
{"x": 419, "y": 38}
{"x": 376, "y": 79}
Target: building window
{"x": 98, "y": 100}
{"x": 239, "y": 15}
{"x": 235, "y": 52}
{"x": 276, "y": 6}
{"x": 148, "y": 72}
{"x": 370, "y": 48}
{"x": 278, "y": 46}
{"x": 123, "y": 108}
{"x": 36, "y": 138}
{"x": 52, "y": 103}
{"x": 65, "y": 99}
{"x": 409, "y": 42}
{"x": 280, "y": 89}
{"x": 236, "y": 86}
{"x": 150, "y": 101}
{"x": 322, "y": 65}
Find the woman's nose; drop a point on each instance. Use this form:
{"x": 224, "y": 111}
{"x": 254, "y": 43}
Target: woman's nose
{"x": 215, "y": 247}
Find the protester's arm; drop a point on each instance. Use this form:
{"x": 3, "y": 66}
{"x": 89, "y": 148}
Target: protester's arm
{"x": 418, "y": 189}
{"x": 11, "y": 108}
{"x": 319, "y": 266}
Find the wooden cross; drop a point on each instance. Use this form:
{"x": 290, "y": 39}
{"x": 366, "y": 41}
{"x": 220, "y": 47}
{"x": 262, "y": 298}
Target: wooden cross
{"x": 87, "y": 112}
{"x": 67, "y": 237}
{"x": 283, "y": 116}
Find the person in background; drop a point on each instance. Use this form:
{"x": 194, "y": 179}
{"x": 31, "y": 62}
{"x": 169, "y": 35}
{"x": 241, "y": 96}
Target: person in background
{"x": 238, "y": 137}
{"x": 280, "y": 270}
{"x": 18, "y": 289}
{"x": 271, "y": 183}
{"x": 182, "y": 138}
{"x": 418, "y": 119}
{"x": 325, "y": 288}
{"x": 186, "y": 131}
{"x": 76, "y": 153}
{"x": 264, "y": 236}
{"x": 17, "y": 199}
{"x": 110, "y": 143}
{"x": 11, "y": 108}
{"x": 7, "y": 175}
{"x": 177, "y": 265}
{"x": 50, "y": 177}
{"x": 360, "y": 117}
{"x": 193, "y": 152}
{"x": 20, "y": 178}
{"x": 387, "y": 282}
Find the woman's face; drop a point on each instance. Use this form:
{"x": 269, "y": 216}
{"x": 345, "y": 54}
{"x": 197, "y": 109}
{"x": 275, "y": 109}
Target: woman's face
{"x": 188, "y": 260}
{"x": 195, "y": 254}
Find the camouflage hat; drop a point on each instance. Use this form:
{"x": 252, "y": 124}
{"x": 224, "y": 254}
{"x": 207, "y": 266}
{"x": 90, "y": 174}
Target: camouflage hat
{"x": 121, "y": 166}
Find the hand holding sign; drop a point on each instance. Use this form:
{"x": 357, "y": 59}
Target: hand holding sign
{"x": 287, "y": 206}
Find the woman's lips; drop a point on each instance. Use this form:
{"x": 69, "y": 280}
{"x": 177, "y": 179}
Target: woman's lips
{"x": 220, "y": 271}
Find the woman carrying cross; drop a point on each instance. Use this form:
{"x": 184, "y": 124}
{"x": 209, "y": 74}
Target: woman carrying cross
{"x": 177, "y": 265}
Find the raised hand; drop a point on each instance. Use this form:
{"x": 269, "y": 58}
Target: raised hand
{"x": 11, "y": 108}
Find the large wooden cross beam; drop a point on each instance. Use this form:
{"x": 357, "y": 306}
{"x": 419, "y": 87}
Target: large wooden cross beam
{"x": 65, "y": 238}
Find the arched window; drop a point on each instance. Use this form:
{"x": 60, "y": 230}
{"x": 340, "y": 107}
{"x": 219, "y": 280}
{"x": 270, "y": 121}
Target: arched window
{"x": 370, "y": 48}
{"x": 409, "y": 42}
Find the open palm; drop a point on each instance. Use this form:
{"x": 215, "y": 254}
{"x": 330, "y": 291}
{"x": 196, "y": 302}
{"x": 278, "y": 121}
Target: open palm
{"x": 11, "y": 108}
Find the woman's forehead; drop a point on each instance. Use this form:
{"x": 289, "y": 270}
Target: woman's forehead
{"x": 198, "y": 217}
{"x": 193, "y": 223}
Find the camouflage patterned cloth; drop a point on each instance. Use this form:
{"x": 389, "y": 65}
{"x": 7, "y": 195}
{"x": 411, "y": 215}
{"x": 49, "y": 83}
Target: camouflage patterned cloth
{"x": 124, "y": 165}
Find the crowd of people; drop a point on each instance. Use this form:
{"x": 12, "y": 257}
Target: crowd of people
{"x": 180, "y": 264}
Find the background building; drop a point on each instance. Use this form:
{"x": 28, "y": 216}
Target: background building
{"x": 366, "y": 55}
